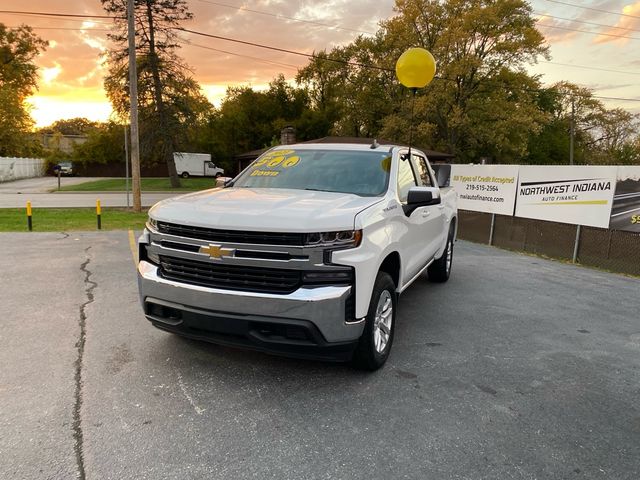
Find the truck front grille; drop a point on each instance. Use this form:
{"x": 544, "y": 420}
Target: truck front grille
{"x": 232, "y": 236}
{"x": 230, "y": 277}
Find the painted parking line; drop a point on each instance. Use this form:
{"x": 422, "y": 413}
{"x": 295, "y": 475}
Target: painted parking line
{"x": 133, "y": 245}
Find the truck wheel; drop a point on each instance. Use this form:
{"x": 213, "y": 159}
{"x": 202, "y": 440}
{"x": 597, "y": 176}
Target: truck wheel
{"x": 440, "y": 270}
{"x": 184, "y": 174}
{"x": 375, "y": 343}
{"x": 218, "y": 175}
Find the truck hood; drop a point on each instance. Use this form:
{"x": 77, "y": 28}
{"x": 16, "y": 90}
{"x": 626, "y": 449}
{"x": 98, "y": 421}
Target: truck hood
{"x": 264, "y": 209}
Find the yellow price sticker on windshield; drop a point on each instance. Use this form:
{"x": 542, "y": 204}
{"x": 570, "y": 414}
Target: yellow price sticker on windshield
{"x": 291, "y": 161}
{"x": 278, "y": 158}
{"x": 275, "y": 161}
{"x": 261, "y": 161}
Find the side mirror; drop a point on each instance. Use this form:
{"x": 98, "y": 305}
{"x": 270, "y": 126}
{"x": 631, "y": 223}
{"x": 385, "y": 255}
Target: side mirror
{"x": 223, "y": 181}
{"x": 421, "y": 197}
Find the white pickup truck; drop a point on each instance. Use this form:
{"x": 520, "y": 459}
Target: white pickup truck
{"x": 303, "y": 254}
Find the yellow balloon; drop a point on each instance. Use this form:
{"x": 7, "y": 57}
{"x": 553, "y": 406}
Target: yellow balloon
{"x": 416, "y": 68}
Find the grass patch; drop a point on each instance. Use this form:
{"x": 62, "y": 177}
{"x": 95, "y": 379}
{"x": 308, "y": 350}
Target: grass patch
{"x": 147, "y": 184}
{"x": 68, "y": 219}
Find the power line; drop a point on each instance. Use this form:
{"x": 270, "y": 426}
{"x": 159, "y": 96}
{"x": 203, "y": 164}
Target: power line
{"x": 345, "y": 62}
{"x": 77, "y": 29}
{"x": 590, "y": 68}
{"x": 593, "y": 9}
{"x": 616, "y": 98}
{"x": 542, "y": 89}
{"x": 285, "y": 17}
{"x": 283, "y": 50}
{"x": 573, "y": 20}
{"x": 279, "y": 64}
{"x": 588, "y": 31}
{"x": 536, "y": 90}
{"x": 49, "y": 14}
{"x": 64, "y": 19}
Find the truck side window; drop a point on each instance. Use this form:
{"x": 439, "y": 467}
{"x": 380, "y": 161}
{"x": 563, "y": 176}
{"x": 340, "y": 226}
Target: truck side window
{"x": 406, "y": 179}
{"x": 424, "y": 177}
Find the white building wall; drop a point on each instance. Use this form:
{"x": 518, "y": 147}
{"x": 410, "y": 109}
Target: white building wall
{"x": 16, "y": 168}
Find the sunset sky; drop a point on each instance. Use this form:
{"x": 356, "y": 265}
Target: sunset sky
{"x": 72, "y": 74}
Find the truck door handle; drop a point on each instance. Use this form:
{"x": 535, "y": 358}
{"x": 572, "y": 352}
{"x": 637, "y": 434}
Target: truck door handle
{"x": 426, "y": 213}
{"x": 441, "y": 206}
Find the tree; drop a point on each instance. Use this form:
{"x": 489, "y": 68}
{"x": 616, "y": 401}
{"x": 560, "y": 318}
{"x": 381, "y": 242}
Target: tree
{"x": 105, "y": 144}
{"x": 614, "y": 138}
{"x": 249, "y": 119}
{"x": 602, "y": 136}
{"x": 170, "y": 100}
{"x": 18, "y": 79}
{"x": 71, "y": 126}
{"x": 353, "y": 99}
{"x": 483, "y": 102}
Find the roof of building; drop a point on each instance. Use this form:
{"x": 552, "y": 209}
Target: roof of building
{"x": 251, "y": 154}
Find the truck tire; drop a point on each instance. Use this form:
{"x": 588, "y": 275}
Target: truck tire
{"x": 376, "y": 340}
{"x": 440, "y": 270}
{"x": 184, "y": 174}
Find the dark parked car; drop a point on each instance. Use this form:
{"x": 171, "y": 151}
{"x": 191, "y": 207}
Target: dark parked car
{"x": 65, "y": 169}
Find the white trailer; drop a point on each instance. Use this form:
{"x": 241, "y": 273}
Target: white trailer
{"x": 196, "y": 165}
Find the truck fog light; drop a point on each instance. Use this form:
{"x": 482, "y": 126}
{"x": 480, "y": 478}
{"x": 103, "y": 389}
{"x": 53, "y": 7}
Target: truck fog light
{"x": 339, "y": 277}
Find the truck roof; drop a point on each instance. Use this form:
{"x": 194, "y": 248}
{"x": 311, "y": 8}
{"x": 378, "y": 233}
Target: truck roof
{"x": 336, "y": 146}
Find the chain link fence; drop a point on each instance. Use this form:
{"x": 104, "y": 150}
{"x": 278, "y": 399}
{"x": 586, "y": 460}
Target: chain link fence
{"x": 613, "y": 250}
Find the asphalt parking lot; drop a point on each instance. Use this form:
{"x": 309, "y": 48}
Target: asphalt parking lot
{"x": 518, "y": 368}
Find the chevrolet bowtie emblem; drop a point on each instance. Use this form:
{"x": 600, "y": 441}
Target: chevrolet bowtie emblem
{"x": 217, "y": 252}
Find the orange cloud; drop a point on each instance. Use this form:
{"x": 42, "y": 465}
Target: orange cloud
{"x": 72, "y": 63}
{"x": 624, "y": 27}
{"x": 552, "y": 31}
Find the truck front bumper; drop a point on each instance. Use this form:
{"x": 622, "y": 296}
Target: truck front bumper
{"x": 308, "y": 323}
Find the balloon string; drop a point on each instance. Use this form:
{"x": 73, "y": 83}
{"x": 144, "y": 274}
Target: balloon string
{"x": 413, "y": 102}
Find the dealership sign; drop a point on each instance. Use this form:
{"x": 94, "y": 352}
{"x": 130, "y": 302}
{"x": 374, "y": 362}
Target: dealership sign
{"x": 485, "y": 188}
{"x": 567, "y": 194}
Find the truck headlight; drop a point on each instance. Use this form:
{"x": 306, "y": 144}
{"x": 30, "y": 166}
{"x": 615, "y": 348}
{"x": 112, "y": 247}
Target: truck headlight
{"x": 339, "y": 239}
{"x": 153, "y": 223}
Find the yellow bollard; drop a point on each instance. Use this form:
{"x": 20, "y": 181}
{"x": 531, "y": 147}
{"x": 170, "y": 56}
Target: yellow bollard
{"x": 99, "y": 214}
{"x": 29, "y": 221}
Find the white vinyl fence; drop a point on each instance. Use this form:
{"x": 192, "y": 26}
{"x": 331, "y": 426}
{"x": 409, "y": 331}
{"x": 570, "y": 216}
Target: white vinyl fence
{"x": 16, "y": 168}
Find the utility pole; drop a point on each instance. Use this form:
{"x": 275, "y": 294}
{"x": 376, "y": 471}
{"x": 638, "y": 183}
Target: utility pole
{"x": 126, "y": 165}
{"x": 572, "y": 132}
{"x": 133, "y": 97}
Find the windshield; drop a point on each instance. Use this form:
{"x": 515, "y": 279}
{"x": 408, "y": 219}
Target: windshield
{"x": 345, "y": 171}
